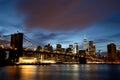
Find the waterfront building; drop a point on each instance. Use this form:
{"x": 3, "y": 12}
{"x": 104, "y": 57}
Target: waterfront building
{"x": 82, "y": 53}
{"x": 59, "y": 48}
{"x": 111, "y": 49}
{"x": 75, "y": 48}
{"x": 84, "y": 44}
{"x": 70, "y": 49}
{"x": 71, "y": 46}
{"x": 48, "y": 47}
{"x": 92, "y": 49}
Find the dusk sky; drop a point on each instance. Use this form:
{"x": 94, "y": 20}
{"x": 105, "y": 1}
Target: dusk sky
{"x": 63, "y": 21}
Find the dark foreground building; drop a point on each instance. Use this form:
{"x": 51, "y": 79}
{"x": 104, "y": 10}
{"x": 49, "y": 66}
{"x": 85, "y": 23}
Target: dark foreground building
{"x": 112, "y": 54}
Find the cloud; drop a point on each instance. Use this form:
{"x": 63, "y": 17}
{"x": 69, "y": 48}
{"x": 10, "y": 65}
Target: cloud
{"x": 102, "y": 41}
{"x": 117, "y": 35}
{"x": 66, "y": 14}
{"x": 108, "y": 39}
{"x": 42, "y": 37}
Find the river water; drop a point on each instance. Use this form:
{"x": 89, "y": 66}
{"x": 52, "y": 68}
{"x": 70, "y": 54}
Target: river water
{"x": 61, "y": 72}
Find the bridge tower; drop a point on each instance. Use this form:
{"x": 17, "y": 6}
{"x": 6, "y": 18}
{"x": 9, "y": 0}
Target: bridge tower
{"x": 16, "y": 44}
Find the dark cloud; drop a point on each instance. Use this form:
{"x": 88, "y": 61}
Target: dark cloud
{"x": 115, "y": 36}
{"x": 113, "y": 20}
{"x": 2, "y": 31}
{"x": 107, "y": 39}
{"x": 42, "y": 38}
{"x": 66, "y": 14}
{"x": 102, "y": 40}
{"x": 50, "y": 36}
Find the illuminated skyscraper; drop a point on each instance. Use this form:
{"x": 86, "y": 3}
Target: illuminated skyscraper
{"x": 48, "y": 47}
{"x": 92, "y": 49}
{"x": 75, "y": 48}
{"x": 84, "y": 44}
{"x": 59, "y": 47}
{"x": 69, "y": 49}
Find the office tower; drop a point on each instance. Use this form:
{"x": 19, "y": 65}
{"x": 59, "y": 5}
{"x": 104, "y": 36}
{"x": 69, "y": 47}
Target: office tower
{"x": 111, "y": 48}
{"x": 92, "y": 49}
{"x": 39, "y": 48}
{"x": 75, "y": 48}
{"x": 71, "y": 48}
{"x": 84, "y": 44}
{"x": 48, "y": 47}
{"x": 59, "y": 47}
{"x": 99, "y": 53}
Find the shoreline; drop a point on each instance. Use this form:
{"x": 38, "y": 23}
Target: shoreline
{"x": 12, "y": 64}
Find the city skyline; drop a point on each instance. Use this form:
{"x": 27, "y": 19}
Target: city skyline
{"x": 63, "y": 22}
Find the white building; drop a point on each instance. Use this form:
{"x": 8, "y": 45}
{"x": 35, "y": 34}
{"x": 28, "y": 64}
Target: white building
{"x": 75, "y": 48}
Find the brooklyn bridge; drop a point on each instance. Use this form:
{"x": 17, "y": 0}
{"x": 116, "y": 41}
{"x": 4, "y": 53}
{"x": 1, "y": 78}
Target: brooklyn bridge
{"x": 18, "y": 50}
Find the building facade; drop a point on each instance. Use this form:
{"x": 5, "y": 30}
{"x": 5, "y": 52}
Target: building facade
{"x": 111, "y": 49}
{"x": 75, "y": 48}
{"x": 84, "y": 44}
{"x": 92, "y": 49}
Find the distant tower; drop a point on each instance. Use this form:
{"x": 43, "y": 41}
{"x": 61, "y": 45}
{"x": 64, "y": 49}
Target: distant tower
{"x": 99, "y": 53}
{"x": 111, "y": 48}
{"x": 84, "y": 43}
{"x": 75, "y": 48}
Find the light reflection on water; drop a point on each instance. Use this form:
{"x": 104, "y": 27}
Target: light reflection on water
{"x": 61, "y": 72}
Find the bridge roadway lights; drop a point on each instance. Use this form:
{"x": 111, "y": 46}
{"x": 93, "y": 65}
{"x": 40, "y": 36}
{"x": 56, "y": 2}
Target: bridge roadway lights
{"x": 82, "y": 60}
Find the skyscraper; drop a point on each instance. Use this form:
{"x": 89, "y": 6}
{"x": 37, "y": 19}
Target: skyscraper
{"x": 71, "y": 46}
{"x": 84, "y": 44}
{"x": 75, "y": 48}
{"x": 59, "y": 47}
{"x": 48, "y": 47}
{"x": 92, "y": 49}
{"x": 111, "y": 48}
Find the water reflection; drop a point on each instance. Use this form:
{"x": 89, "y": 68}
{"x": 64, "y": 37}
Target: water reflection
{"x": 60, "y": 72}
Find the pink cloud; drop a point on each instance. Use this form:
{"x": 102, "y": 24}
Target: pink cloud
{"x": 66, "y": 14}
